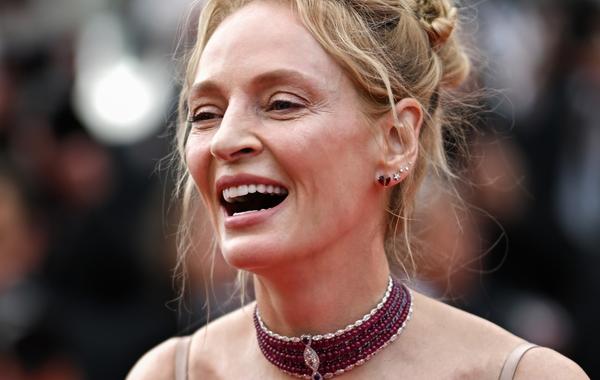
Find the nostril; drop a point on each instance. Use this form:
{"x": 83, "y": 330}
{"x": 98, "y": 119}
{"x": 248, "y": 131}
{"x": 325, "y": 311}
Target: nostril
{"x": 243, "y": 152}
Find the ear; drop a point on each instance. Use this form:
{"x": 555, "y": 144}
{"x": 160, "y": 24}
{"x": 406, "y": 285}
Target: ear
{"x": 401, "y": 138}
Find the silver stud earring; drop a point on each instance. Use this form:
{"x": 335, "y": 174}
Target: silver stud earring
{"x": 405, "y": 168}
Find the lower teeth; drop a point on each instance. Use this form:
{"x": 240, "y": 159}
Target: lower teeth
{"x": 246, "y": 212}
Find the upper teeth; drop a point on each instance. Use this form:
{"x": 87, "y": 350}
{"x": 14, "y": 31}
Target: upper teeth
{"x": 230, "y": 193}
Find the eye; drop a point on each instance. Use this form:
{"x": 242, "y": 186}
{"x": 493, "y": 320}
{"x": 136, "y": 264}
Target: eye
{"x": 285, "y": 102}
{"x": 281, "y": 105}
{"x": 204, "y": 114}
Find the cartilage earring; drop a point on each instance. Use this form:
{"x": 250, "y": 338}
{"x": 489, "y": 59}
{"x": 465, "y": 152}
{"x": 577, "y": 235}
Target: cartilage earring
{"x": 405, "y": 168}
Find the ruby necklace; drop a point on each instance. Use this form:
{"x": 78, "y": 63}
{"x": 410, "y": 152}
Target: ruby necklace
{"x": 324, "y": 356}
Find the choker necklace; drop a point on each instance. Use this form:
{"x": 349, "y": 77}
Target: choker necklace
{"x": 318, "y": 357}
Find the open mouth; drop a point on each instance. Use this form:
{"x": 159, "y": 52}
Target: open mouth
{"x": 243, "y": 199}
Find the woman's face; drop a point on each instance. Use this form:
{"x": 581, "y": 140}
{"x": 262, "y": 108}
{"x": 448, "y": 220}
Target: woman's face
{"x": 279, "y": 150}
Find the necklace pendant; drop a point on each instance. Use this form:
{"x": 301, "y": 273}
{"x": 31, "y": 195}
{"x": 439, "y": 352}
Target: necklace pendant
{"x": 311, "y": 358}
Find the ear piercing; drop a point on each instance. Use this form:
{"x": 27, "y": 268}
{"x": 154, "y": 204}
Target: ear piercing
{"x": 405, "y": 168}
{"x": 383, "y": 180}
{"x": 386, "y": 180}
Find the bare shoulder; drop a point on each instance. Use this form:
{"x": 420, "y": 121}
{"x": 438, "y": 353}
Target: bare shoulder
{"x": 208, "y": 347}
{"x": 462, "y": 345}
{"x": 477, "y": 348}
{"x": 215, "y": 344}
{"x": 544, "y": 363}
{"x": 156, "y": 364}
{"x": 463, "y": 328}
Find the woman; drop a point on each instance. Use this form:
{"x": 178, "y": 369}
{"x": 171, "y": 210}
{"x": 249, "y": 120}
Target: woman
{"x": 310, "y": 125}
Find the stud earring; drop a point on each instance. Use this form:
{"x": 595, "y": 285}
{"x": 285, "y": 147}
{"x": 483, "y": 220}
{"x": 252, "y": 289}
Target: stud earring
{"x": 398, "y": 175}
{"x": 405, "y": 168}
{"x": 383, "y": 180}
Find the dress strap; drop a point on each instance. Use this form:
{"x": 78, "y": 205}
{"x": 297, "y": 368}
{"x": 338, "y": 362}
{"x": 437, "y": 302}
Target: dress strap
{"x": 512, "y": 361}
{"x": 182, "y": 352}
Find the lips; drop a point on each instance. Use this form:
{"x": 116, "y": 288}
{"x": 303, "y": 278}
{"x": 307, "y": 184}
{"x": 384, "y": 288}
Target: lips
{"x": 245, "y": 194}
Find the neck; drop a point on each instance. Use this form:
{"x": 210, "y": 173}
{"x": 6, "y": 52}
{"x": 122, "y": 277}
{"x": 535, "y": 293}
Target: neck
{"x": 332, "y": 289}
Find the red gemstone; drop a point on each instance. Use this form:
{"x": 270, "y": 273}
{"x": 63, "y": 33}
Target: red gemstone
{"x": 345, "y": 349}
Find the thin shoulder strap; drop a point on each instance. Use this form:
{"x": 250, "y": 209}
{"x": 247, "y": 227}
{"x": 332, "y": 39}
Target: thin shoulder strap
{"x": 513, "y": 359}
{"x": 182, "y": 352}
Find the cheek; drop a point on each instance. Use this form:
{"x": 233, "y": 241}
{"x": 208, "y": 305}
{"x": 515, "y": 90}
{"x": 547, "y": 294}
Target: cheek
{"x": 197, "y": 156}
{"x": 333, "y": 159}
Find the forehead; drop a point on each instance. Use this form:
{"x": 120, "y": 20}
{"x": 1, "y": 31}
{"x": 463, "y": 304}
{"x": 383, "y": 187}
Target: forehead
{"x": 261, "y": 37}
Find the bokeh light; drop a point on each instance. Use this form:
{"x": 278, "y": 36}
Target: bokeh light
{"x": 120, "y": 98}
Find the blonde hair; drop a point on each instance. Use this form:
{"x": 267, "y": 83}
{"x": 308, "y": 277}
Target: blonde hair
{"x": 390, "y": 49}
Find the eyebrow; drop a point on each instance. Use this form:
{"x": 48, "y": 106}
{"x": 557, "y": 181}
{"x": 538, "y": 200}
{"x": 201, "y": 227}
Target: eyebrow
{"x": 263, "y": 80}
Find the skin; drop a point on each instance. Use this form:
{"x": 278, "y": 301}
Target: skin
{"x": 319, "y": 261}
{"x": 319, "y": 146}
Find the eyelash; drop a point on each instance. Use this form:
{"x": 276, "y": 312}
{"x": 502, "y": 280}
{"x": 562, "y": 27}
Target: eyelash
{"x": 200, "y": 116}
{"x": 290, "y": 105}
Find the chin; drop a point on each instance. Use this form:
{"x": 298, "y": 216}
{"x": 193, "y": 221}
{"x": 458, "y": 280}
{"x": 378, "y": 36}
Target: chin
{"x": 253, "y": 254}
{"x": 247, "y": 253}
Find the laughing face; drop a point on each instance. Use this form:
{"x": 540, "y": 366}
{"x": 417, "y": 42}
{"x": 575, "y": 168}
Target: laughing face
{"x": 279, "y": 150}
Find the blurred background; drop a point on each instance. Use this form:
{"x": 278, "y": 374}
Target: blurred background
{"x": 87, "y": 97}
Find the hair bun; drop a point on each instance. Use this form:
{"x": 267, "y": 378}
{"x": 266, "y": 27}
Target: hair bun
{"x": 438, "y": 19}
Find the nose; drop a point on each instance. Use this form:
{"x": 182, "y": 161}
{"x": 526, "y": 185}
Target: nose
{"x": 235, "y": 138}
